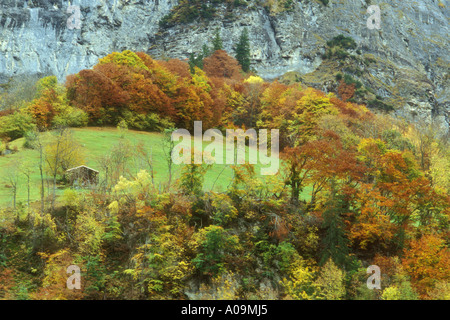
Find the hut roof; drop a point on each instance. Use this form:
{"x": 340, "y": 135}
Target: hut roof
{"x": 79, "y": 167}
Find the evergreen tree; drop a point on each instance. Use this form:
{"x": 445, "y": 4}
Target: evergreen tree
{"x": 192, "y": 178}
{"x": 195, "y": 61}
{"x": 243, "y": 51}
{"x": 335, "y": 242}
{"x": 217, "y": 41}
{"x": 206, "y": 51}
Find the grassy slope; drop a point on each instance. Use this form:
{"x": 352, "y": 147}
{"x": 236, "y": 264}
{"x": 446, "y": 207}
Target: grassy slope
{"x": 98, "y": 141}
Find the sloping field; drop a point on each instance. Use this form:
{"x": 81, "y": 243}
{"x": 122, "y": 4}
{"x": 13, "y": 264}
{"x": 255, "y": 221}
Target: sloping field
{"x": 97, "y": 142}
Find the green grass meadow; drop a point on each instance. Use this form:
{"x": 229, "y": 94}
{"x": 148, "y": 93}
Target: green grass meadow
{"x": 100, "y": 141}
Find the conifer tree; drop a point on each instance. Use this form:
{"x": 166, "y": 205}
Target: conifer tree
{"x": 335, "y": 242}
{"x": 243, "y": 51}
{"x": 217, "y": 43}
{"x": 195, "y": 61}
{"x": 206, "y": 51}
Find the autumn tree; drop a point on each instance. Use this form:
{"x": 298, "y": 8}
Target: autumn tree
{"x": 277, "y": 104}
{"x": 26, "y": 170}
{"x": 38, "y": 143}
{"x": 146, "y": 156}
{"x": 50, "y": 97}
{"x": 177, "y": 67}
{"x": 16, "y": 125}
{"x": 371, "y": 228}
{"x": 89, "y": 232}
{"x": 299, "y": 280}
{"x": 194, "y": 102}
{"x": 115, "y": 163}
{"x": 168, "y": 145}
{"x": 160, "y": 267}
{"x": 221, "y": 65}
{"x": 192, "y": 177}
{"x": 247, "y": 113}
{"x": 126, "y": 58}
{"x": 318, "y": 163}
{"x": 146, "y": 97}
{"x": 346, "y": 91}
{"x": 330, "y": 283}
{"x": 161, "y": 76}
{"x": 51, "y": 107}
{"x": 294, "y": 111}
{"x": 61, "y": 154}
{"x": 306, "y": 114}
{"x": 427, "y": 261}
{"x": 97, "y": 94}
{"x": 424, "y": 136}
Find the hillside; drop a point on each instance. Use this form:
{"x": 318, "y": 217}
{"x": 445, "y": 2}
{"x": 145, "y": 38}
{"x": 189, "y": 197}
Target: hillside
{"x": 355, "y": 189}
{"x": 116, "y": 117}
{"x": 98, "y": 142}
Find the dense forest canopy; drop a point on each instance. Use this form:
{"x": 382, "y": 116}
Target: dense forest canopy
{"x": 357, "y": 187}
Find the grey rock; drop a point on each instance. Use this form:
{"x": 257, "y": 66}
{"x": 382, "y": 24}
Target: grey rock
{"x": 35, "y": 38}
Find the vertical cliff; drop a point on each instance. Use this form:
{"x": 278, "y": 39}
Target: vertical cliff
{"x": 34, "y": 35}
{"x": 408, "y": 56}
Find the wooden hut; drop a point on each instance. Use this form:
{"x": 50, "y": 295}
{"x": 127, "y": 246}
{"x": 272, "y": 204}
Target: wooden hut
{"x": 82, "y": 176}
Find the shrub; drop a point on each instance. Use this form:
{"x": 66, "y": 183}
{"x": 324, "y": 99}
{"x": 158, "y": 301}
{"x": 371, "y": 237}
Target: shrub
{"x": 348, "y": 79}
{"x": 360, "y": 92}
{"x": 223, "y": 211}
{"x": 71, "y": 117}
{"x": 404, "y": 291}
{"x": 343, "y": 42}
{"x": 330, "y": 283}
{"x": 380, "y": 105}
{"x": 189, "y": 11}
{"x": 30, "y": 139}
{"x": 215, "y": 244}
{"x": 15, "y": 126}
{"x": 149, "y": 122}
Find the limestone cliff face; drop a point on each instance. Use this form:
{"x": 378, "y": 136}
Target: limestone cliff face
{"x": 35, "y": 38}
{"x": 410, "y": 51}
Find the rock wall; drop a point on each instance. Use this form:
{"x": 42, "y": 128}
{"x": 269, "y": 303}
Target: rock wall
{"x": 410, "y": 49}
{"x": 35, "y": 38}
